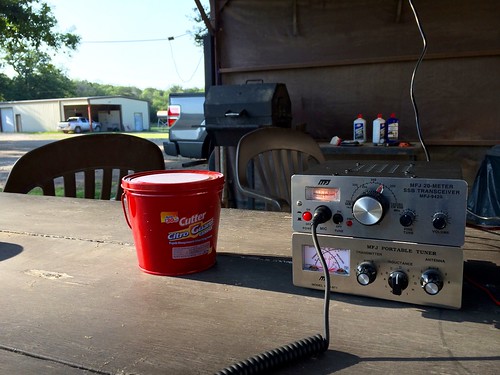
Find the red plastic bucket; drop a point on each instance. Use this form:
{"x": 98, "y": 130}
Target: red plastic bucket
{"x": 174, "y": 217}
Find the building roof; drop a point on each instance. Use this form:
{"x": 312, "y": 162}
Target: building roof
{"x": 84, "y": 98}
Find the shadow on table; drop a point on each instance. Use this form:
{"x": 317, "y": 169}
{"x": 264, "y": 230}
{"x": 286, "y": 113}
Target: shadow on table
{"x": 333, "y": 361}
{"x": 275, "y": 274}
{"x": 326, "y": 363}
{"x": 481, "y": 290}
{"x": 9, "y": 250}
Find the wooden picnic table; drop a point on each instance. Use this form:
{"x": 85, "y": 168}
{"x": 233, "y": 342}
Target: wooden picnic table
{"x": 73, "y": 301}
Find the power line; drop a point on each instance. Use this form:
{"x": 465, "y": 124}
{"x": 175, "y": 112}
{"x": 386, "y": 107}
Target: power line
{"x": 177, "y": 70}
{"x": 133, "y": 40}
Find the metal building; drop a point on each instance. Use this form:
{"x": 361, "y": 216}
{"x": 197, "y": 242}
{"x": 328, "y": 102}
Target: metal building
{"x": 115, "y": 113}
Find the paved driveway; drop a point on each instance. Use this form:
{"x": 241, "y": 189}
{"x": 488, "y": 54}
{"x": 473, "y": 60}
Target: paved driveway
{"x": 14, "y": 145}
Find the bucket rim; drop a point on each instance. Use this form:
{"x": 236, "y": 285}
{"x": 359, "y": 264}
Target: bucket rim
{"x": 131, "y": 181}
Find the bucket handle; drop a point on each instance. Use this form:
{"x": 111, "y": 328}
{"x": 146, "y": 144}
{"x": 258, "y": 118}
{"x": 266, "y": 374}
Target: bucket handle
{"x": 124, "y": 197}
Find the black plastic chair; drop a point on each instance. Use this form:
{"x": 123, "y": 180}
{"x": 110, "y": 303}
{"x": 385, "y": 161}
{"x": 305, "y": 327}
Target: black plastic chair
{"x": 483, "y": 203}
{"x": 267, "y": 158}
{"x": 93, "y": 163}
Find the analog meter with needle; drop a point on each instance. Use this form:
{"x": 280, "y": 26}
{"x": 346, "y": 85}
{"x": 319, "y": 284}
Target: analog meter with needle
{"x": 338, "y": 260}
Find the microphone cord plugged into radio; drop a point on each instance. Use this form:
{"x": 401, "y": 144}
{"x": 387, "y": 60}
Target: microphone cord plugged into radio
{"x": 321, "y": 215}
{"x": 302, "y": 349}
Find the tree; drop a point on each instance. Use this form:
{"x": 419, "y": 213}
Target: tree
{"x": 29, "y": 24}
{"x": 5, "y": 84}
{"x": 27, "y": 37}
{"x": 199, "y": 29}
{"x": 86, "y": 88}
{"x": 48, "y": 82}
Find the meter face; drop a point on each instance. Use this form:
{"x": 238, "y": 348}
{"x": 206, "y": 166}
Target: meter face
{"x": 337, "y": 260}
{"x": 322, "y": 194}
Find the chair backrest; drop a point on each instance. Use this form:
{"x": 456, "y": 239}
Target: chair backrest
{"x": 97, "y": 162}
{"x": 271, "y": 155}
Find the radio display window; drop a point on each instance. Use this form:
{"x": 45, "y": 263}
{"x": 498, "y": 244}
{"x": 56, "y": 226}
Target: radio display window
{"x": 323, "y": 194}
{"x": 337, "y": 260}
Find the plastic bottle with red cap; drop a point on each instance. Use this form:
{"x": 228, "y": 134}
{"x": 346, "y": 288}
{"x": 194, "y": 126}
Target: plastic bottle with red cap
{"x": 379, "y": 129}
{"x": 359, "y": 129}
{"x": 392, "y": 128}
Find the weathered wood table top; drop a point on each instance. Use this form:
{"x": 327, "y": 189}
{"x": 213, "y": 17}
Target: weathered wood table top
{"x": 73, "y": 301}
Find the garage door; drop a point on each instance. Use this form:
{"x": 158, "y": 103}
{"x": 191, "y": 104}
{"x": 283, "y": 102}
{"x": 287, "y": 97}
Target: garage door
{"x": 7, "y": 120}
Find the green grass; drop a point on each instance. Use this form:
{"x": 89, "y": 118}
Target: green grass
{"x": 152, "y": 134}
{"x": 80, "y": 193}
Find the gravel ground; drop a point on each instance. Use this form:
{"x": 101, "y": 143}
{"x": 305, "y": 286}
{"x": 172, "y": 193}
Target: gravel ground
{"x": 14, "y": 145}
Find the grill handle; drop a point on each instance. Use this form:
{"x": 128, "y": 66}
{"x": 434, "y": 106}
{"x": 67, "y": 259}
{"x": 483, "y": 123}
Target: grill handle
{"x": 229, "y": 113}
{"x": 254, "y": 81}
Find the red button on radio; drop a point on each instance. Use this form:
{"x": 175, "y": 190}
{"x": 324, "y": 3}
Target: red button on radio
{"x": 307, "y": 216}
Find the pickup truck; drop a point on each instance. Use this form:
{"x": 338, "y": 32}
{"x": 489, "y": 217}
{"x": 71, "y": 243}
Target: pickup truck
{"x": 78, "y": 125}
{"x": 186, "y": 122}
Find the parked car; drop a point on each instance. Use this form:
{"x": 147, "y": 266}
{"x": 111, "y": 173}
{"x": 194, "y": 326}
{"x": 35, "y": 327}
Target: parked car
{"x": 187, "y": 133}
{"x": 78, "y": 124}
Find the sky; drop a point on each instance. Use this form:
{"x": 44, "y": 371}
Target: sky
{"x": 156, "y": 64}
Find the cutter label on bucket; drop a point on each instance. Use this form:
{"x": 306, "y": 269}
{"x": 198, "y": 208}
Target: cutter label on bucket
{"x": 192, "y": 231}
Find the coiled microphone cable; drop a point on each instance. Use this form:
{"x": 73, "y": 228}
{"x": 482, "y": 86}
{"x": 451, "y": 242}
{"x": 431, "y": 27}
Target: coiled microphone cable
{"x": 301, "y": 349}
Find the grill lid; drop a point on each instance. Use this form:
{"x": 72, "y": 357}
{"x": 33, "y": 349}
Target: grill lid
{"x": 231, "y": 111}
{"x": 259, "y": 104}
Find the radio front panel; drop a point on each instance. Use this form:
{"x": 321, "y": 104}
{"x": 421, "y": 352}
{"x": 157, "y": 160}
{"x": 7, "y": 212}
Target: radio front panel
{"x": 412, "y": 273}
{"x": 385, "y": 200}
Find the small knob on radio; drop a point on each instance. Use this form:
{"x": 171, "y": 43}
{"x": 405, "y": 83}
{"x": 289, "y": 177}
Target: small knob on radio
{"x": 431, "y": 281}
{"x": 338, "y": 218}
{"x": 398, "y": 281}
{"x": 439, "y": 220}
{"x": 370, "y": 208}
{"x": 407, "y": 218}
{"x": 366, "y": 273}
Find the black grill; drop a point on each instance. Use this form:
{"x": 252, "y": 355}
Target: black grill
{"x": 234, "y": 110}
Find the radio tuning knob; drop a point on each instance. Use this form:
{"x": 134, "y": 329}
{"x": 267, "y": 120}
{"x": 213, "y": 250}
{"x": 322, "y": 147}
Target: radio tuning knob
{"x": 439, "y": 220}
{"x": 407, "y": 218}
{"x": 398, "y": 281}
{"x": 369, "y": 208}
{"x": 366, "y": 273}
{"x": 431, "y": 281}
